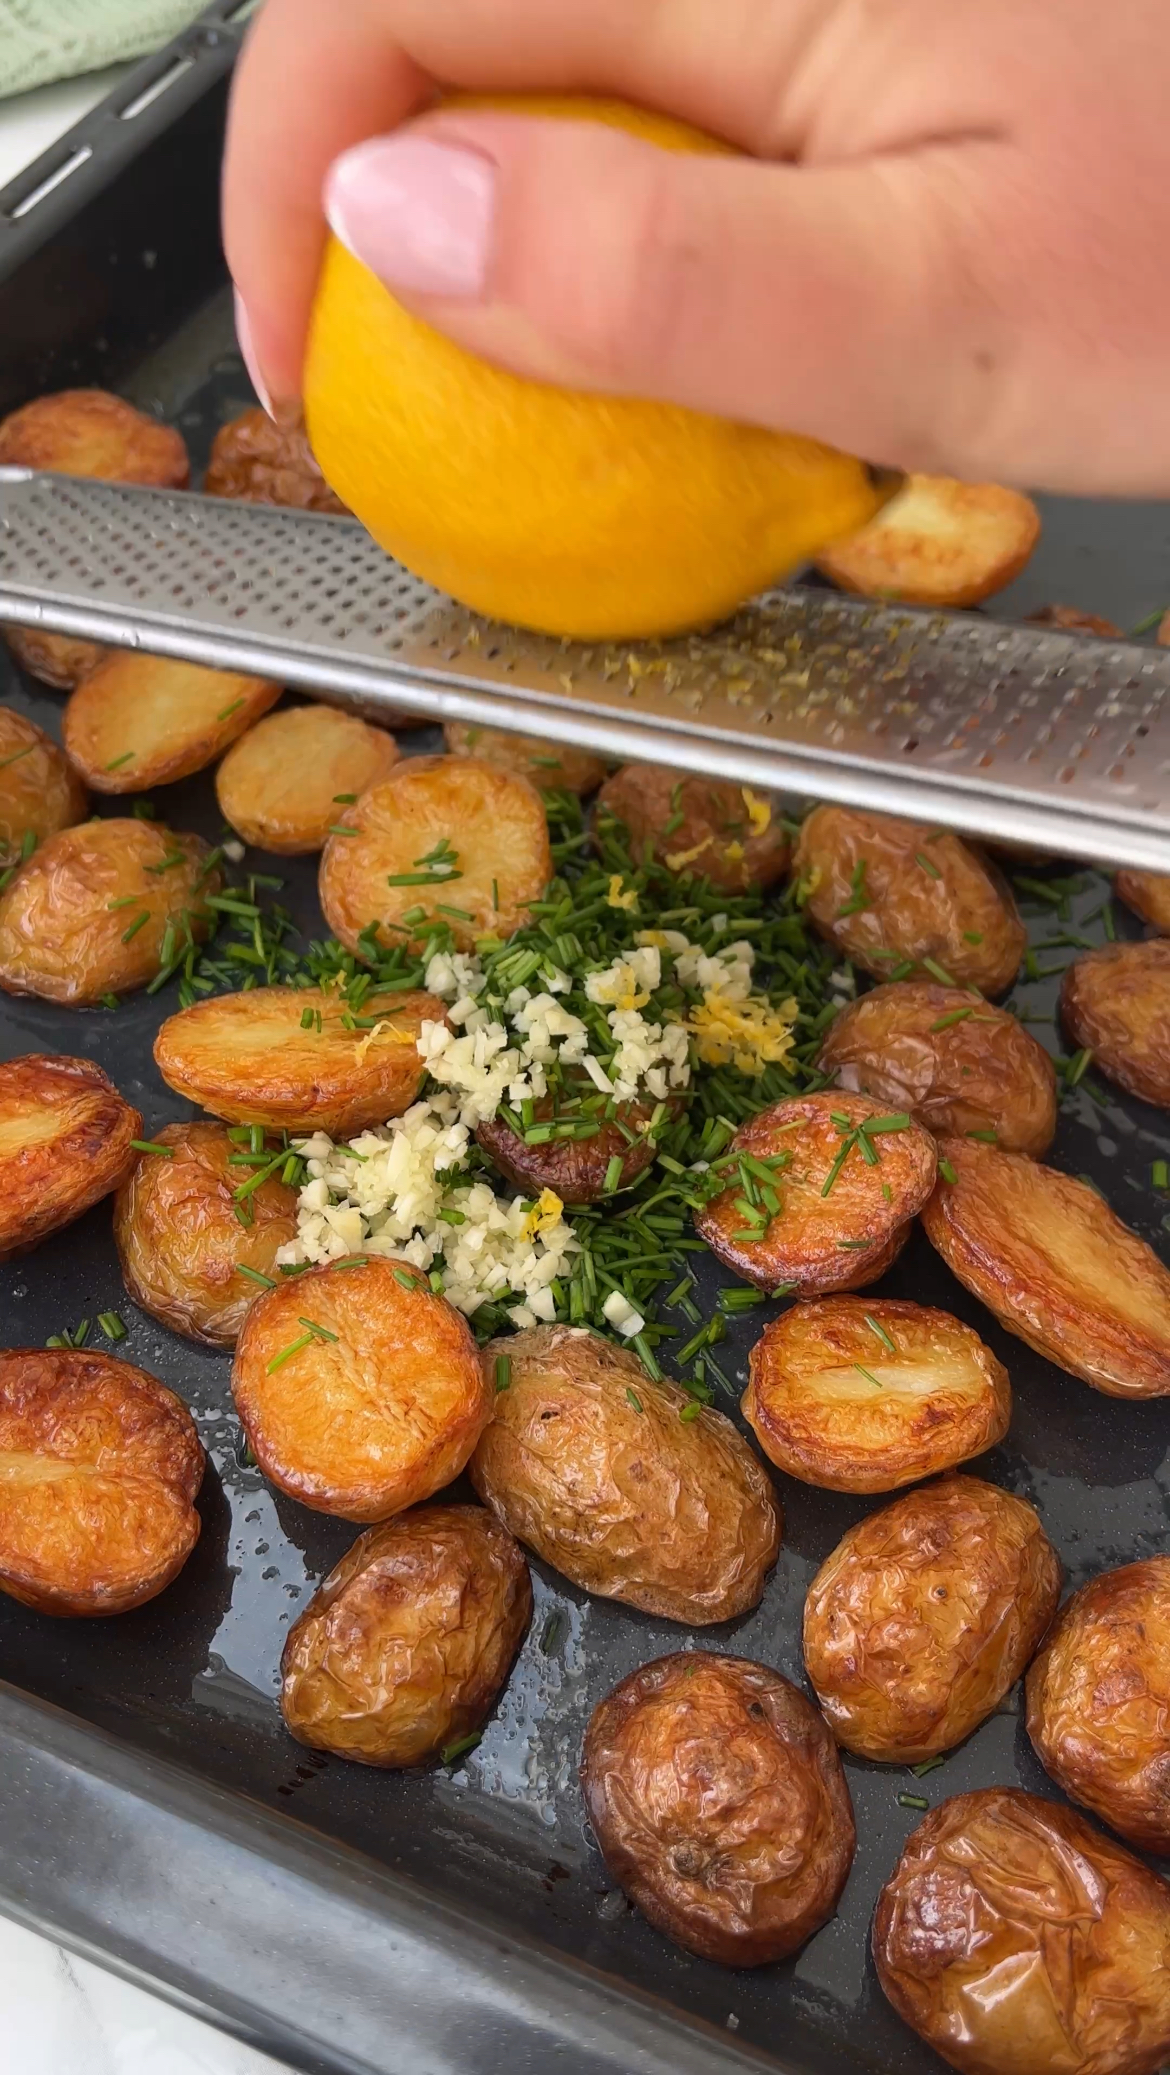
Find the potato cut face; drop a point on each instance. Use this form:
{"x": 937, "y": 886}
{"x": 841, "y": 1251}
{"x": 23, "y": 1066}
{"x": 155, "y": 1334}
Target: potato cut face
{"x": 285, "y": 1057}
{"x": 466, "y": 843}
{"x": 726, "y": 833}
{"x": 1148, "y": 894}
{"x": 849, "y": 1176}
{"x": 88, "y": 432}
{"x": 1055, "y": 1266}
{"x": 65, "y": 1137}
{"x": 58, "y": 660}
{"x": 39, "y": 791}
{"x": 260, "y": 462}
{"x": 909, "y": 902}
{"x": 403, "y": 1649}
{"x": 925, "y": 1615}
{"x": 288, "y": 782}
{"x": 575, "y": 1169}
{"x": 1116, "y": 1001}
{"x": 138, "y": 720}
{"x": 938, "y": 542}
{"x": 375, "y": 1404}
{"x": 865, "y": 1396}
{"x": 99, "y": 1469}
{"x": 550, "y": 766}
{"x": 71, "y": 927}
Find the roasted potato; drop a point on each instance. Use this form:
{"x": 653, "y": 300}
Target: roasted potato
{"x": 1048, "y": 1257}
{"x": 1116, "y": 1001}
{"x": 260, "y": 462}
{"x": 180, "y": 1242}
{"x": 99, "y": 1469}
{"x": 1014, "y": 1938}
{"x": 58, "y": 660}
{"x": 843, "y": 1217}
{"x": 405, "y": 1646}
{"x": 286, "y": 1057}
{"x": 90, "y": 913}
{"x": 590, "y": 1464}
{"x": 291, "y": 780}
{"x": 732, "y": 836}
{"x": 65, "y": 1137}
{"x": 859, "y": 1395}
{"x": 39, "y": 791}
{"x": 551, "y": 766}
{"x": 717, "y": 1797}
{"x": 903, "y": 900}
{"x": 938, "y": 542}
{"x": 140, "y": 720}
{"x": 925, "y": 1615}
{"x": 1099, "y": 1701}
{"x": 444, "y": 840}
{"x": 959, "y": 1066}
{"x": 574, "y": 1168}
{"x": 1148, "y": 894}
{"x": 1068, "y": 619}
{"x": 360, "y": 1391}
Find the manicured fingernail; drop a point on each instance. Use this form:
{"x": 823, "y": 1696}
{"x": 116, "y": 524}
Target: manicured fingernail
{"x": 248, "y": 354}
{"x": 416, "y": 212}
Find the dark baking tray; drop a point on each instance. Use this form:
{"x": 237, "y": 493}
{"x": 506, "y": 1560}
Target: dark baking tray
{"x": 153, "y": 1812}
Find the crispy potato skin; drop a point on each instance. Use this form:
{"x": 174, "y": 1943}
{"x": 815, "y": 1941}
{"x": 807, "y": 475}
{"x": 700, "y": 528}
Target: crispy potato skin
{"x": 622, "y": 1497}
{"x": 39, "y": 790}
{"x": 551, "y": 766}
{"x": 370, "y": 1422}
{"x": 493, "y": 819}
{"x": 99, "y": 1470}
{"x": 65, "y": 1137}
{"x": 938, "y": 542}
{"x": 179, "y": 1240}
{"x": 248, "y": 1059}
{"x": 719, "y": 1803}
{"x": 984, "y": 1072}
{"x": 714, "y": 836}
{"x": 405, "y": 1646}
{"x": 279, "y": 785}
{"x": 1117, "y": 1002}
{"x": 88, "y": 432}
{"x": 925, "y": 1615}
{"x": 574, "y": 1168}
{"x": 173, "y": 718}
{"x": 943, "y": 1397}
{"x": 58, "y": 660}
{"x": 812, "y": 1245}
{"x": 1099, "y": 1701}
{"x": 1055, "y": 1266}
{"x": 1148, "y": 894}
{"x": 60, "y": 938}
{"x": 259, "y": 462}
{"x": 1013, "y": 1937}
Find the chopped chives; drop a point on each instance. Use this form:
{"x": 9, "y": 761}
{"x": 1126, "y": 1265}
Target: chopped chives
{"x": 254, "y": 1275}
{"x": 633, "y": 1399}
{"x": 16, "y": 756}
{"x": 613, "y": 1175}
{"x": 226, "y": 712}
{"x": 503, "y": 1376}
{"x": 913, "y": 1801}
{"x": 286, "y": 1353}
{"x": 889, "y": 1345}
{"x": 955, "y": 1016}
{"x": 318, "y": 1331}
{"x": 152, "y": 1145}
{"x": 1160, "y": 1174}
{"x": 868, "y": 1375}
{"x": 112, "y": 1326}
{"x": 947, "y": 1172}
{"x": 464, "y": 1744}
{"x": 408, "y": 1282}
{"x": 939, "y": 972}
{"x": 927, "y": 864}
{"x": 127, "y": 758}
{"x": 1078, "y": 1067}
{"x": 927, "y": 1765}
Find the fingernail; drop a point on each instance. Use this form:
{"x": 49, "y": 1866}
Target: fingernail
{"x": 416, "y": 212}
{"x": 248, "y": 354}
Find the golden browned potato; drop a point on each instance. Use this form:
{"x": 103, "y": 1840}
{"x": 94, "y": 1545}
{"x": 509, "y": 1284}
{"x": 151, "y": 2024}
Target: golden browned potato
{"x": 1116, "y": 1001}
{"x": 297, "y": 1059}
{"x": 575, "y": 1168}
{"x": 925, "y": 1615}
{"x": 901, "y": 899}
{"x": 59, "y": 660}
{"x": 1099, "y": 1701}
{"x": 865, "y": 1395}
{"x": 1048, "y": 1257}
{"x": 1163, "y": 636}
{"x": 1068, "y": 619}
{"x": 294, "y": 778}
{"x": 733, "y": 836}
{"x": 183, "y": 1250}
{"x": 843, "y": 1197}
{"x": 360, "y": 1390}
{"x": 1148, "y": 894}
{"x": 65, "y": 1137}
{"x": 959, "y": 1066}
{"x": 260, "y": 462}
{"x": 1015, "y": 1939}
{"x": 618, "y": 1482}
{"x": 141, "y": 720}
{"x": 551, "y": 766}
{"x": 99, "y": 1469}
{"x": 39, "y": 791}
{"x": 403, "y": 1649}
{"x": 443, "y": 840}
{"x": 938, "y": 542}
{"x": 717, "y": 1797}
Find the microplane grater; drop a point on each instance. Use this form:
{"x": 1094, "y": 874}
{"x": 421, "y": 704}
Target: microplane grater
{"x": 1018, "y": 733}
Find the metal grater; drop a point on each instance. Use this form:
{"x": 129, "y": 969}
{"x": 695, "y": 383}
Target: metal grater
{"x": 1017, "y": 733}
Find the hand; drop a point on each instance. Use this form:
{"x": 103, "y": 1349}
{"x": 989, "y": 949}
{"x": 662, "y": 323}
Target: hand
{"x": 947, "y": 252}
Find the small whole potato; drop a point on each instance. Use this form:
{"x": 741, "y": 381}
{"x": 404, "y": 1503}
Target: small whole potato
{"x": 138, "y": 720}
{"x": 99, "y": 1470}
{"x": 1116, "y": 1001}
{"x": 858, "y": 1395}
{"x": 65, "y": 1142}
{"x": 938, "y": 542}
{"x": 1099, "y": 1701}
{"x": 1014, "y": 1939}
{"x": 359, "y": 1389}
{"x": 728, "y": 834}
{"x": 292, "y": 779}
{"x": 551, "y": 766}
{"x": 594, "y": 1467}
{"x": 903, "y": 900}
{"x": 58, "y": 660}
{"x": 1148, "y": 894}
{"x": 403, "y": 1649}
{"x": 1068, "y": 619}
{"x": 39, "y": 791}
{"x": 959, "y": 1066}
{"x": 575, "y": 1168}
{"x": 717, "y": 1797}
{"x": 260, "y": 462}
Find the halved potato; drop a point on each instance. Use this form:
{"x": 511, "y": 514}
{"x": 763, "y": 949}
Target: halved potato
{"x": 99, "y": 1470}
{"x": 360, "y": 1390}
{"x": 1068, "y": 619}
{"x": 845, "y": 1212}
{"x": 1148, "y": 894}
{"x": 297, "y": 1059}
{"x": 260, "y": 462}
{"x": 1054, "y": 1264}
{"x": 551, "y": 766}
{"x": 938, "y": 542}
{"x": 1116, "y": 1001}
{"x": 858, "y": 1395}
{"x": 141, "y": 720}
{"x": 89, "y": 914}
{"x": 39, "y": 791}
{"x": 58, "y": 660}
{"x": 65, "y": 1137}
{"x": 574, "y": 1168}
{"x": 183, "y": 1249}
{"x": 731, "y": 835}
{"x": 442, "y": 840}
{"x": 294, "y": 778}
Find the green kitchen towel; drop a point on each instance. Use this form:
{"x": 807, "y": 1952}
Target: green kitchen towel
{"x": 58, "y": 39}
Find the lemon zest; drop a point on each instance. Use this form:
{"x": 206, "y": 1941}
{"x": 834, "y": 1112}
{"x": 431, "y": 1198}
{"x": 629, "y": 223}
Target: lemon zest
{"x": 615, "y": 898}
{"x": 749, "y": 1034}
{"x": 759, "y": 811}
{"x": 733, "y": 854}
{"x": 545, "y": 1213}
{"x": 677, "y": 859}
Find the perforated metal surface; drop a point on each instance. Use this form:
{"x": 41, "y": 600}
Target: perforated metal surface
{"x": 1014, "y": 732}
